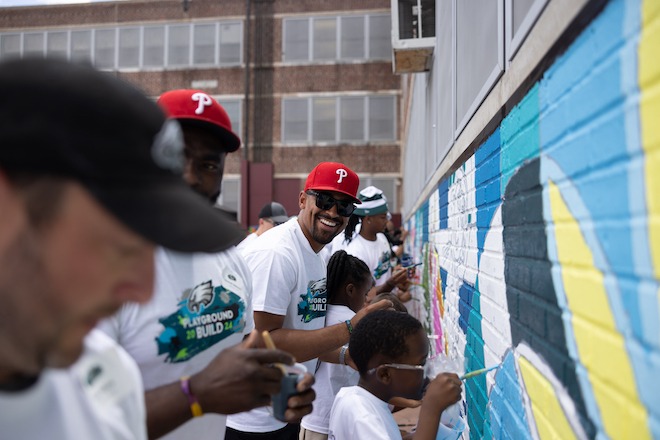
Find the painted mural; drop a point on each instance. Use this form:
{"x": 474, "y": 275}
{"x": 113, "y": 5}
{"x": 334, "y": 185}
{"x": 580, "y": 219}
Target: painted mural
{"x": 542, "y": 251}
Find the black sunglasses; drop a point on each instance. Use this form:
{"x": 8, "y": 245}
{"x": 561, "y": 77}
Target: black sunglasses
{"x": 325, "y": 201}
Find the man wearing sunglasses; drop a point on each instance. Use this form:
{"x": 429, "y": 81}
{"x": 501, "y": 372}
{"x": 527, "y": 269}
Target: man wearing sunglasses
{"x": 289, "y": 294}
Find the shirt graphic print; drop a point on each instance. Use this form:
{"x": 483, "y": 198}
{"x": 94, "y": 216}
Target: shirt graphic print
{"x": 312, "y": 303}
{"x": 206, "y": 315}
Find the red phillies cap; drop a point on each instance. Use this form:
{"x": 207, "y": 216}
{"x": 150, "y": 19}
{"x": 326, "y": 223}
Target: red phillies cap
{"x": 195, "y": 107}
{"x": 334, "y": 176}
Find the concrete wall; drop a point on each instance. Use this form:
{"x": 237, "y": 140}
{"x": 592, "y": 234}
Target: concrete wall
{"x": 541, "y": 248}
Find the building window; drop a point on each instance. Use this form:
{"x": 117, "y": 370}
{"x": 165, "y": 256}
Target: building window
{"x": 10, "y": 45}
{"x": 33, "y": 44}
{"x": 57, "y": 44}
{"x": 352, "y": 38}
{"x": 174, "y": 45}
{"x": 328, "y": 34}
{"x": 296, "y": 39}
{"x": 233, "y": 108}
{"x": 153, "y": 42}
{"x": 324, "y": 119}
{"x": 352, "y": 120}
{"x": 380, "y": 40}
{"x": 178, "y": 45}
{"x": 325, "y": 39}
{"x": 129, "y": 47}
{"x": 230, "y": 197}
{"x": 81, "y": 45}
{"x": 296, "y": 120}
{"x": 339, "y": 119}
{"x": 381, "y": 118}
{"x": 231, "y": 48}
{"x": 204, "y": 44}
{"x": 104, "y": 48}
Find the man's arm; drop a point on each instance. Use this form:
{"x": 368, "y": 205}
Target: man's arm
{"x": 309, "y": 344}
{"x": 238, "y": 379}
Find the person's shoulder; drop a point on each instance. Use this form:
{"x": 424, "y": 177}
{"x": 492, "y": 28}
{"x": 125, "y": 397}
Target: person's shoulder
{"x": 274, "y": 238}
{"x": 99, "y": 347}
{"x": 98, "y": 341}
{"x": 246, "y": 241}
{"x": 382, "y": 238}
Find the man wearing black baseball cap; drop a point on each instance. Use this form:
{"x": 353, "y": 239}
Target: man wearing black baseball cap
{"x": 89, "y": 183}
{"x": 272, "y": 214}
{"x": 187, "y": 338}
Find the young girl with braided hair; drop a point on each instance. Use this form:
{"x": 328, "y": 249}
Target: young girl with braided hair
{"x": 347, "y": 283}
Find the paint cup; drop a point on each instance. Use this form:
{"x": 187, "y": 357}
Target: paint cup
{"x": 453, "y": 432}
{"x": 406, "y": 260}
{"x": 295, "y": 373}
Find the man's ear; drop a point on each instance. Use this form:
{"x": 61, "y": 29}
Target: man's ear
{"x": 383, "y": 375}
{"x": 302, "y": 199}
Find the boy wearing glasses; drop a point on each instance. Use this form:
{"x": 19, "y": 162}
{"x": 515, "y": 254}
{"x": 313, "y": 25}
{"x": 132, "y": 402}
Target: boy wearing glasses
{"x": 289, "y": 286}
{"x": 390, "y": 350}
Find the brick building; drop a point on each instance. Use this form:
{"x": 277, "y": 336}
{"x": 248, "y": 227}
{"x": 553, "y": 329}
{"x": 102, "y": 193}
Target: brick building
{"x": 307, "y": 81}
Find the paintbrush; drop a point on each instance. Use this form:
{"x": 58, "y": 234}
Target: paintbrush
{"x": 478, "y": 372}
{"x": 271, "y": 345}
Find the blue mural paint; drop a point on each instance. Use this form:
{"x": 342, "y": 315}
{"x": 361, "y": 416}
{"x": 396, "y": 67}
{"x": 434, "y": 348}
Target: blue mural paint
{"x": 519, "y": 133}
{"x": 443, "y": 282}
{"x": 465, "y": 293}
{"x": 443, "y": 195}
{"x": 506, "y": 409}
{"x": 487, "y": 184}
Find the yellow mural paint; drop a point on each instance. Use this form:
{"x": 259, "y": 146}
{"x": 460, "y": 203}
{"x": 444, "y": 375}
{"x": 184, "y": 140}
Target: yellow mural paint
{"x": 551, "y": 422}
{"x": 600, "y": 346}
{"x": 649, "y": 109}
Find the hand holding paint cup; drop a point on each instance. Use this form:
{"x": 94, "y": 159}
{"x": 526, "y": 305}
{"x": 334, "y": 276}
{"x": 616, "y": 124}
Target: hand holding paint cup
{"x": 294, "y": 373}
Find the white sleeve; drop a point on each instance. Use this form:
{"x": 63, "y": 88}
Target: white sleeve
{"x": 273, "y": 280}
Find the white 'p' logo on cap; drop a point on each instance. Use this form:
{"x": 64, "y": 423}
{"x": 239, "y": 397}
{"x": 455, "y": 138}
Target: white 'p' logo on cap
{"x": 204, "y": 101}
{"x": 342, "y": 173}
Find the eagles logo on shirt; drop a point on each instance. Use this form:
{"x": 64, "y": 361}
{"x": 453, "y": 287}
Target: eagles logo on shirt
{"x": 206, "y": 315}
{"x": 383, "y": 265}
{"x": 312, "y": 304}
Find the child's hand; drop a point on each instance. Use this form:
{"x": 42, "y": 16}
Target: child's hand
{"x": 443, "y": 391}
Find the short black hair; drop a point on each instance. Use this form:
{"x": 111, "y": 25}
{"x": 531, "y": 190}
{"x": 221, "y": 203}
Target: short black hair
{"x": 343, "y": 269}
{"x": 381, "y": 332}
{"x": 397, "y": 304}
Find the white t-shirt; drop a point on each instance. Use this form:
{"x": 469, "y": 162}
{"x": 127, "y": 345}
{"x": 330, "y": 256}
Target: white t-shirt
{"x": 330, "y": 378}
{"x": 358, "y": 414}
{"x": 376, "y": 254}
{"x": 99, "y": 397}
{"x": 247, "y": 240}
{"x": 288, "y": 280}
{"x": 201, "y": 305}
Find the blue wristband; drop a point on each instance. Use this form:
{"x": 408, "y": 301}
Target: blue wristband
{"x": 349, "y": 326}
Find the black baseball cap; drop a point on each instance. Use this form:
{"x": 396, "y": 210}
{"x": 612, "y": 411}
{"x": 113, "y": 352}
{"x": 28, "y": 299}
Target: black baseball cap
{"x": 66, "y": 119}
{"x": 274, "y": 211}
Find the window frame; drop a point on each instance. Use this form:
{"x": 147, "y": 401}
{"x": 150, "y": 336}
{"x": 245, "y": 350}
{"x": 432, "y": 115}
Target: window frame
{"x": 310, "y": 140}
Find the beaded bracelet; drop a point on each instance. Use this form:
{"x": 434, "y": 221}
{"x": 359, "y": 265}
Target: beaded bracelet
{"x": 195, "y": 407}
{"x": 349, "y": 326}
